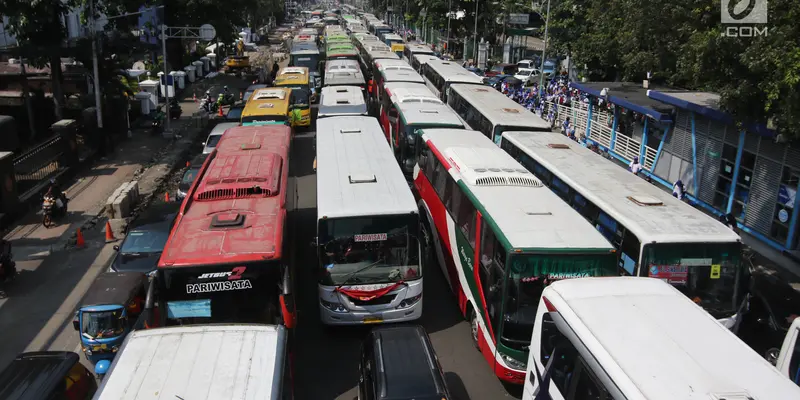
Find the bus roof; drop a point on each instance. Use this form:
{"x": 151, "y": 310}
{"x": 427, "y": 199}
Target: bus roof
{"x": 342, "y": 100}
{"x": 452, "y": 72}
{"x": 659, "y": 345}
{"x": 499, "y": 109}
{"x": 407, "y": 92}
{"x": 344, "y": 77}
{"x": 417, "y": 48}
{"x": 293, "y": 71}
{"x": 392, "y": 36}
{"x": 342, "y": 65}
{"x": 384, "y": 64}
{"x": 357, "y": 173}
{"x": 619, "y": 193}
{"x": 429, "y": 114}
{"x": 382, "y": 53}
{"x": 401, "y": 75}
{"x": 525, "y": 213}
{"x": 201, "y": 361}
{"x": 268, "y": 101}
{"x": 234, "y": 211}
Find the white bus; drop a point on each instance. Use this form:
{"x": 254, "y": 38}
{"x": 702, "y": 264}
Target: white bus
{"x": 367, "y": 227}
{"x": 491, "y": 112}
{"x": 500, "y": 237}
{"x": 628, "y": 338}
{"x": 439, "y": 75}
{"x": 418, "y": 61}
{"x": 338, "y": 101}
{"x": 656, "y": 234}
{"x": 201, "y": 362}
{"x": 413, "y": 49}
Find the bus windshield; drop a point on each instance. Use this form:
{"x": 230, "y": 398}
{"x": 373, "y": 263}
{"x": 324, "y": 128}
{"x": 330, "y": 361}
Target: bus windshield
{"x": 527, "y": 277}
{"x": 300, "y": 96}
{"x": 216, "y": 294}
{"x": 379, "y": 249}
{"x": 708, "y": 273}
{"x": 306, "y": 60}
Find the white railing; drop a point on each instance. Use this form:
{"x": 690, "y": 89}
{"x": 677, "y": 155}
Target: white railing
{"x": 650, "y": 157}
{"x": 626, "y": 147}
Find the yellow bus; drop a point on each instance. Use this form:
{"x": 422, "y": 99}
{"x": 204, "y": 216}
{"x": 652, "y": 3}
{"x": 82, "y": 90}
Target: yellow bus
{"x": 268, "y": 106}
{"x": 297, "y": 79}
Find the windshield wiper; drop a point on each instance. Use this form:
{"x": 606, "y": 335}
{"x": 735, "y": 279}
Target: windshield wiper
{"x": 352, "y": 274}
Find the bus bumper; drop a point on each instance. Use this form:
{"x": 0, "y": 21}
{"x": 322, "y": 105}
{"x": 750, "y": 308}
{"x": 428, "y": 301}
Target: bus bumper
{"x": 337, "y": 309}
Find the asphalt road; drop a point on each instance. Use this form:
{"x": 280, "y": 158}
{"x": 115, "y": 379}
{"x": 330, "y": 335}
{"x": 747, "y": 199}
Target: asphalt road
{"x": 326, "y": 358}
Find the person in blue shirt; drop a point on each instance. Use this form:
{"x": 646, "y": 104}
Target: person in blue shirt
{"x": 565, "y": 127}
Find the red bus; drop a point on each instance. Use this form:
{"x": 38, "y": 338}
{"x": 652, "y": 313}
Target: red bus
{"x": 224, "y": 260}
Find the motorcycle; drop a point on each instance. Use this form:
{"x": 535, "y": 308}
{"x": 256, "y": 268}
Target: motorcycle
{"x": 226, "y": 99}
{"x": 175, "y": 110}
{"x": 8, "y": 267}
{"x": 158, "y": 121}
{"x": 208, "y": 105}
{"x": 53, "y": 208}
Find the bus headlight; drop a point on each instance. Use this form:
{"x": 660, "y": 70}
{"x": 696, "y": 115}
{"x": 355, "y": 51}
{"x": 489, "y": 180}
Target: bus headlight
{"x": 513, "y": 363}
{"x": 87, "y": 350}
{"x": 409, "y": 301}
{"x": 335, "y": 307}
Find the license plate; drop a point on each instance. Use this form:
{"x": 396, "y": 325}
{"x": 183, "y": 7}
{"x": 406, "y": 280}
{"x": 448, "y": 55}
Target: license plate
{"x": 373, "y": 320}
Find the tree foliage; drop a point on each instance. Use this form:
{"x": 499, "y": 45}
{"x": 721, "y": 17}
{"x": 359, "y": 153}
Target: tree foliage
{"x": 682, "y": 43}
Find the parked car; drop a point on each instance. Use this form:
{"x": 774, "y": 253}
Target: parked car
{"x": 527, "y": 76}
{"x": 527, "y": 64}
{"x": 189, "y": 176}
{"x": 502, "y": 69}
{"x": 145, "y": 239}
{"x": 398, "y": 362}
{"x": 234, "y": 114}
{"x": 496, "y": 81}
{"x": 215, "y": 135}
{"x": 46, "y": 375}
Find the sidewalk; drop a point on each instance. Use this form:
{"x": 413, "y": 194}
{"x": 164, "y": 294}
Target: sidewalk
{"x": 53, "y": 275}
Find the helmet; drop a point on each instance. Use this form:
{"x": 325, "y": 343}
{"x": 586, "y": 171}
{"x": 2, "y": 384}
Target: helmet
{"x": 52, "y": 181}
{"x": 225, "y": 88}
{"x": 208, "y": 92}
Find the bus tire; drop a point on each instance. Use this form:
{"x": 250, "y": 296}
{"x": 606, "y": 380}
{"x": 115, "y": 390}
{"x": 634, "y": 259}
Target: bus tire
{"x": 474, "y": 328}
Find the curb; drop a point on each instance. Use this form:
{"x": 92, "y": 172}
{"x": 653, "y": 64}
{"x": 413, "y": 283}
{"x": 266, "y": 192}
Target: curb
{"x": 173, "y": 159}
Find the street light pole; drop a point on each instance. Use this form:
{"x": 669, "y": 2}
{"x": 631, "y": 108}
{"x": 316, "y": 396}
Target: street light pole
{"x": 475, "y": 36}
{"x": 544, "y": 50}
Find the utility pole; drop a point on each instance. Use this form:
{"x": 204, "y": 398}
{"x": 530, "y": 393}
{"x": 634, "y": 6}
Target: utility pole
{"x": 475, "y": 35}
{"x": 98, "y": 103}
{"x": 449, "y": 15}
{"x": 544, "y": 50}
{"x": 166, "y": 76}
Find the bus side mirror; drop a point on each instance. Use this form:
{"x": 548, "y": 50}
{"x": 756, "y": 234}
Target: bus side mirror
{"x": 314, "y": 242}
{"x": 76, "y": 323}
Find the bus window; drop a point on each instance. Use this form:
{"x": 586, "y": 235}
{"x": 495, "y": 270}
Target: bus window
{"x": 629, "y": 253}
{"x": 585, "y": 385}
{"x": 466, "y": 220}
{"x": 439, "y": 178}
{"x": 556, "y": 346}
{"x": 492, "y": 277}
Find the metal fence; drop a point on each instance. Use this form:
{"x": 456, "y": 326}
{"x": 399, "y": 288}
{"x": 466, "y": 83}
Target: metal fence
{"x": 38, "y": 164}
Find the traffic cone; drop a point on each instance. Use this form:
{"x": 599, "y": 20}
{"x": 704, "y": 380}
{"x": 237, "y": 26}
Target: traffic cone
{"x": 79, "y": 242}
{"x": 166, "y": 197}
{"x": 220, "y": 112}
{"x": 194, "y": 97}
{"x": 109, "y": 233}
{"x": 188, "y": 164}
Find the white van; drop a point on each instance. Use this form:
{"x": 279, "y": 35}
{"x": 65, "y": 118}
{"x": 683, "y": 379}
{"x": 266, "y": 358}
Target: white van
{"x": 201, "y": 362}
{"x": 640, "y": 338}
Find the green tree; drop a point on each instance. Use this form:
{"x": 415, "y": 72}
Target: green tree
{"x": 39, "y": 29}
